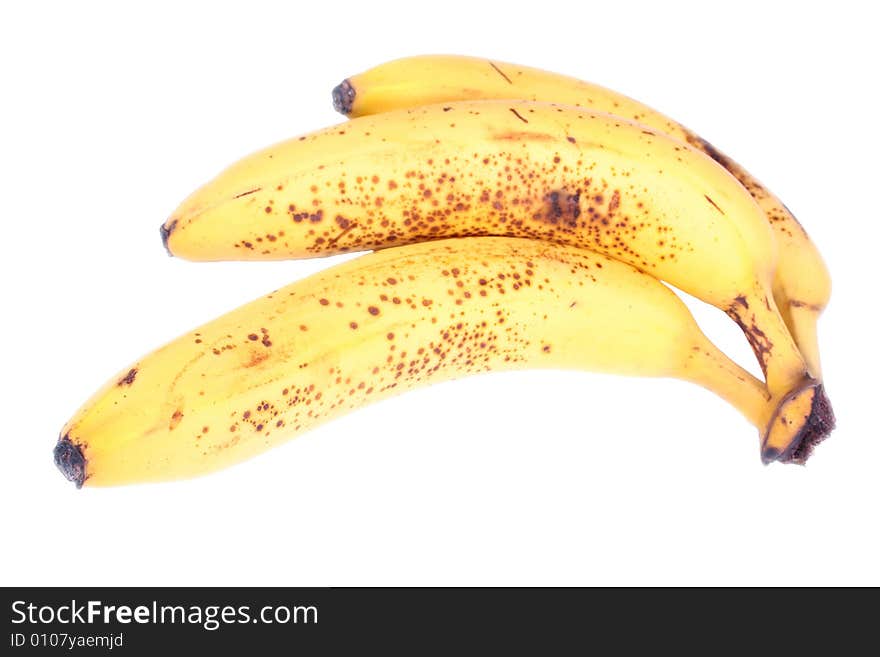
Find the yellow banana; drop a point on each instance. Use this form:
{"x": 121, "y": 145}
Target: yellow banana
{"x": 514, "y": 168}
{"x": 801, "y": 285}
{"x": 388, "y": 322}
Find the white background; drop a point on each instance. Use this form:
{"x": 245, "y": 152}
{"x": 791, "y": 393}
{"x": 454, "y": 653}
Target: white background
{"x": 112, "y": 115}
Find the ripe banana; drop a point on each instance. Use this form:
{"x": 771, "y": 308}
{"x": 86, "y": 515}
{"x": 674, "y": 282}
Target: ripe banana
{"x": 514, "y": 168}
{"x": 801, "y": 285}
{"x": 388, "y": 322}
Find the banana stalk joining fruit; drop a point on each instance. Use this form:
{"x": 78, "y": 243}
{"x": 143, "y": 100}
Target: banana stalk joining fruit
{"x": 385, "y": 323}
{"x": 801, "y": 285}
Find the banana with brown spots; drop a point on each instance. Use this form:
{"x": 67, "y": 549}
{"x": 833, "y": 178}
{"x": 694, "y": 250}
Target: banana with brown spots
{"x": 388, "y": 322}
{"x": 801, "y": 286}
{"x": 512, "y": 168}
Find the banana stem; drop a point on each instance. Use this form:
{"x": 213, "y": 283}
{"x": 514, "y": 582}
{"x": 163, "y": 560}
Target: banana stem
{"x": 802, "y": 318}
{"x": 782, "y": 364}
{"x": 714, "y": 371}
{"x": 790, "y": 423}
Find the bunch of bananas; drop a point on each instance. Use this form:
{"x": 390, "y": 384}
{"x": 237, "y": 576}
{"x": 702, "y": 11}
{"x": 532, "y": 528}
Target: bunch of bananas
{"x": 518, "y": 219}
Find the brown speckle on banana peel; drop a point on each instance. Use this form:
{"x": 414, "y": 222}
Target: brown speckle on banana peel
{"x": 129, "y": 378}
{"x": 500, "y": 72}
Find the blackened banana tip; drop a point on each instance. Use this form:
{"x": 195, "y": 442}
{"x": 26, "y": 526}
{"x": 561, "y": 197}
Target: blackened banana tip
{"x": 165, "y": 231}
{"x": 768, "y": 455}
{"x": 70, "y": 460}
{"x": 343, "y": 97}
{"x": 817, "y": 428}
